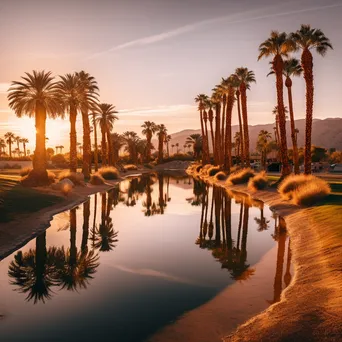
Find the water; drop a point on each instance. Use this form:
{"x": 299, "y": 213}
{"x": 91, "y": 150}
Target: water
{"x": 129, "y": 262}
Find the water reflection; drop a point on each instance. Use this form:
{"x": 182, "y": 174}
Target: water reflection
{"x": 231, "y": 251}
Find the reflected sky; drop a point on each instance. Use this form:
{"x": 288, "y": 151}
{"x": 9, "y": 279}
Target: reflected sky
{"x": 136, "y": 259}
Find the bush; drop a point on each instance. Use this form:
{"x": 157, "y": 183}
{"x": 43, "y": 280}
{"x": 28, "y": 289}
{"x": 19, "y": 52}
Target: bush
{"x": 220, "y": 176}
{"x": 76, "y": 178}
{"x": 96, "y": 179}
{"x": 240, "y": 177}
{"x": 213, "y": 171}
{"x": 205, "y": 169}
{"x": 25, "y": 171}
{"x": 292, "y": 183}
{"x": 59, "y": 161}
{"x": 258, "y": 182}
{"x": 178, "y": 156}
{"x": 109, "y": 172}
{"x": 312, "y": 192}
{"x": 130, "y": 167}
{"x": 199, "y": 168}
{"x": 148, "y": 166}
{"x": 51, "y": 176}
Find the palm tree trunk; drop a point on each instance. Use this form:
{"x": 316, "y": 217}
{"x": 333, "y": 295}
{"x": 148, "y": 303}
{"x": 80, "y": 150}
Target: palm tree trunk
{"x": 212, "y": 138}
{"x": 288, "y": 84}
{"x": 110, "y": 147}
{"x": 206, "y": 142}
{"x": 103, "y": 146}
{"x": 149, "y": 145}
{"x": 10, "y": 149}
{"x": 240, "y": 128}
{"x": 203, "y": 137}
{"x": 73, "y": 139}
{"x": 160, "y": 147}
{"x": 228, "y": 139}
{"x": 217, "y": 133}
{"x": 96, "y": 152}
{"x": 222, "y": 129}
{"x": 85, "y": 228}
{"x": 307, "y": 64}
{"x": 278, "y": 69}
{"x": 39, "y": 160}
{"x": 245, "y": 123}
{"x": 73, "y": 227}
{"x": 279, "y": 269}
{"x": 86, "y": 144}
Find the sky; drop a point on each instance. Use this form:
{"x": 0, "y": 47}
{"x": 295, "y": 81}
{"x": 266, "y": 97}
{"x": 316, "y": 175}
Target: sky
{"x": 152, "y": 57}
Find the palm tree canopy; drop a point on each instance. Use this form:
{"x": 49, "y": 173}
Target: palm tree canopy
{"x": 105, "y": 115}
{"x": 36, "y": 88}
{"x": 161, "y": 130}
{"x": 201, "y": 99}
{"x": 310, "y": 38}
{"x": 149, "y": 127}
{"x": 9, "y": 137}
{"x": 292, "y": 67}
{"x": 243, "y": 75}
{"x": 69, "y": 88}
{"x": 276, "y": 44}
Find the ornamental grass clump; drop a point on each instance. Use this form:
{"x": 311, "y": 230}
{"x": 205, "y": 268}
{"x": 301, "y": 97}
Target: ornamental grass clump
{"x": 109, "y": 172}
{"x": 25, "y": 171}
{"x": 130, "y": 167}
{"x": 31, "y": 179}
{"x": 240, "y": 177}
{"x": 258, "y": 182}
{"x": 205, "y": 169}
{"x": 220, "y": 176}
{"x": 76, "y": 178}
{"x": 96, "y": 179}
{"x": 291, "y": 183}
{"x": 213, "y": 171}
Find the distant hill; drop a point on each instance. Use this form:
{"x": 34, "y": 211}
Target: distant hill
{"x": 326, "y": 133}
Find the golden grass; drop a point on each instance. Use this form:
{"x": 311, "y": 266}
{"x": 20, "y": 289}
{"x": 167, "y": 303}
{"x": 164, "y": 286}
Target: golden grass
{"x": 240, "y": 177}
{"x": 213, "y": 171}
{"x": 220, "y": 176}
{"x": 292, "y": 183}
{"x": 205, "y": 169}
{"x": 29, "y": 179}
{"x": 96, "y": 179}
{"x": 25, "y": 171}
{"x": 76, "y": 178}
{"x": 310, "y": 193}
{"x": 258, "y": 182}
{"x": 130, "y": 167}
{"x": 109, "y": 172}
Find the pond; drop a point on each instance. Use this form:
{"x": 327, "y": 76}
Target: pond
{"x": 129, "y": 262}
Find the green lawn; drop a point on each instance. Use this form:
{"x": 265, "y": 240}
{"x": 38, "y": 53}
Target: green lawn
{"x": 16, "y": 200}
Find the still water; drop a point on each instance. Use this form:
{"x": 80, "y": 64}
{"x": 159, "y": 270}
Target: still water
{"x": 130, "y": 261}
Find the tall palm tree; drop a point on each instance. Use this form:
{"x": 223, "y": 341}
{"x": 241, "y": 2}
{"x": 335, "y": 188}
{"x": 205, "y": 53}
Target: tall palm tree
{"x": 201, "y": 99}
{"x": 262, "y": 145}
{"x": 36, "y": 96}
{"x": 105, "y": 116}
{"x": 211, "y": 119}
{"x": 88, "y": 97}
{"x": 24, "y": 141}
{"x": 277, "y": 46}
{"x": 242, "y": 148}
{"x": 245, "y": 77}
{"x": 167, "y": 139}
{"x": 216, "y": 100}
{"x": 69, "y": 91}
{"x": 10, "y": 139}
{"x": 238, "y": 145}
{"x": 306, "y": 39}
{"x": 161, "y": 132}
{"x": 132, "y": 140}
{"x": 149, "y": 128}
{"x": 96, "y": 148}
{"x": 2, "y": 146}
{"x": 118, "y": 142}
{"x": 292, "y": 67}
{"x": 17, "y": 140}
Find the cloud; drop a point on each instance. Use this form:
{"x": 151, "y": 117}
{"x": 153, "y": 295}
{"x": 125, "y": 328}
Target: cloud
{"x": 157, "y": 111}
{"x": 191, "y": 27}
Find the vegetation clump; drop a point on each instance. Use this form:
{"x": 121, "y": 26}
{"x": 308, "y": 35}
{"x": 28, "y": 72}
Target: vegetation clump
{"x": 25, "y": 171}
{"x": 130, "y": 167}
{"x": 198, "y": 168}
{"x": 109, "y": 172}
{"x": 75, "y": 177}
{"x": 291, "y": 183}
{"x": 240, "y": 177}
{"x": 32, "y": 179}
{"x": 96, "y": 179}
{"x": 220, "y": 176}
{"x": 205, "y": 169}
{"x": 258, "y": 182}
{"x": 213, "y": 171}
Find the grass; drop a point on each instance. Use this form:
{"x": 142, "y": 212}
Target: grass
{"x": 258, "y": 182}
{"x": 213, "y": 171}
{"x": 109, "y": 172}
{"x": 76, "y": 178}
{"x": 220, "y": 176}
{"x": 240, "y": 177}
{"x": 16, "y": 199}
{"x": 96, "y": 179}
{"x": 130, "y": 167}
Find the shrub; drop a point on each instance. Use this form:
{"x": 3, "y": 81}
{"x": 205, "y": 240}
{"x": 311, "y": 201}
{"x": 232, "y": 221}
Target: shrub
{"x": 76, "y": 178}
{"x": 205, "y": 169}
{"x": 25, "y": 171}
{"x": 109, "y": 172}
{"x": 258, "y": 182}
{"x": 130, "y": 167}
{"x": 213, "y": 171}
{"x": 59, "y": 161}
{"x": 310, "y": 193}
{"x": 96, "y": 179}
{"x": 148, "y": 166}
{"x": 199, "y": 168}
{"x": 292, "y": 183}
{"x": 51, "y": 176}
{"x": 220, "y": 176}
{"x": 240, "y": 177}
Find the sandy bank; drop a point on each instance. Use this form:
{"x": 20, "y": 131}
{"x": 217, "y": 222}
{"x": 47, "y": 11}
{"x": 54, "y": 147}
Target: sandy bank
{"x": 311, "y": 307}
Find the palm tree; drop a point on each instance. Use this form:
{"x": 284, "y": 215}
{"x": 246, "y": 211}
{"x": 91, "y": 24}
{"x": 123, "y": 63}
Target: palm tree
{"x": 131, "y": 138}
{"x": 10, "y": 139}
{"x": 36, "y": 96}
{"x": 237, "y": 141}
{"x": 96, "y": 149}
{"x": 17, "y": 140}
{"x": 2, "y": 146}
{"x": 105, "y": 117}
{"x": 262, "y": 145}
{"x": 196, "y": 141}
{"x": 172, "y": 147}
{"x": 166, "y": 142}
{"x": 306, "y": 39}
{"x": 216, "y": 100}
{"x": 149, "y": 128}
{"x": 201, "y": 99}
{"x": 162, "y": 131}
{"x": 118, "y": 142}
{"x": 245, "y": 77}
{"x": 177, "y": 149}
{"x": 24, "y": 141}
{"x": 88, "y": 98}
{"x": 69, "y": 91}
{"x": 211, "y": 119}
{"x": 277, "y": 46}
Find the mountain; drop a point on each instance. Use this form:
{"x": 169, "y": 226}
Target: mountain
{"x": 326, "y": 133}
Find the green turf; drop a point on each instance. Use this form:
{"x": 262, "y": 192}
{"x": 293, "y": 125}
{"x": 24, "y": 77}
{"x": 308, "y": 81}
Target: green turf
{"x": 16, "y": 200}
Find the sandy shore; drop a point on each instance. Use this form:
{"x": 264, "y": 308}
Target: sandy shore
{"x": 311, "y": 307}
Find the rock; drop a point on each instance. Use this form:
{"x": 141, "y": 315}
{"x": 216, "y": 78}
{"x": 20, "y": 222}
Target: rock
{"x": 63, "y": 184}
